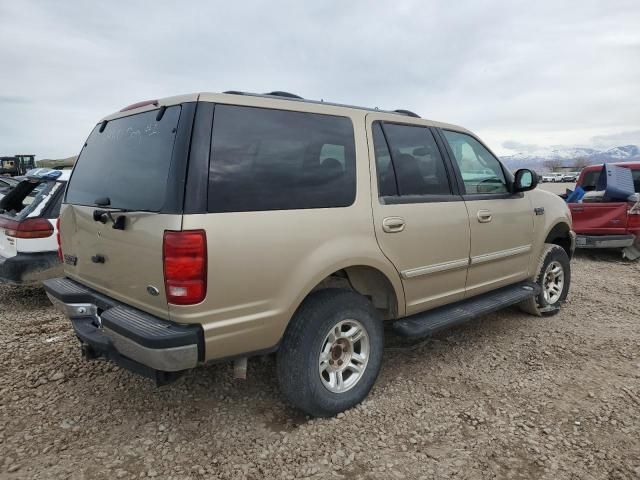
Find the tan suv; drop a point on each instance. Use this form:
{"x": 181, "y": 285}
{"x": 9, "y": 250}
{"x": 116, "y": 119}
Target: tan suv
{"x": 212, "y": 227}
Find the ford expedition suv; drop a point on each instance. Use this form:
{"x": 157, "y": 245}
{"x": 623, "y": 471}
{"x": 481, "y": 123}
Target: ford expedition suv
{"x": 209, "y": 226}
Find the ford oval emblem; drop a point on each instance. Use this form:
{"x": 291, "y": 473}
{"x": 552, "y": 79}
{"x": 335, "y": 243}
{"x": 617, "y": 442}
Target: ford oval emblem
{"x": 153, "y": 291}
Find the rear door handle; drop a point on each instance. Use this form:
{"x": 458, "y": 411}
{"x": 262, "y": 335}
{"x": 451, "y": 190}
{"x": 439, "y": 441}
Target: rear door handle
{"x": 393, "y": 224}
{"x": 484, "y": 216}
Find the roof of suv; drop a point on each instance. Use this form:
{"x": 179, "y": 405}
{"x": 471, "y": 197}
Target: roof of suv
{"x": 273, "y": 100}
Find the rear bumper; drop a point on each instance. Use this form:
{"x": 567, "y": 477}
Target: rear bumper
{"x": 605, "y": 241}
{"x": 29, "y": 268}
{"x": 133, "y": 339}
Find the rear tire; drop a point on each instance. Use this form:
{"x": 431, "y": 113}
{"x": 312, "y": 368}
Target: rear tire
{"x": 554, "y": 278}
{"x": 331, "y": 352}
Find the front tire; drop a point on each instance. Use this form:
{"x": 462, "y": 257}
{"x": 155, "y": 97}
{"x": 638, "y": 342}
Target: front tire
{"x": 554, "y": 278}
{"x": 331, "y": 352}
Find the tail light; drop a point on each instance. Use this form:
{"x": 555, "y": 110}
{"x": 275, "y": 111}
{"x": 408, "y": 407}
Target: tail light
{"x": 58, "y": 239}
{"x": 28, "y": 228}
{"x": 185, "y": 266}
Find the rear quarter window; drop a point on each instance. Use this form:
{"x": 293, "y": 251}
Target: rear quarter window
{"x": 265, "y": 159}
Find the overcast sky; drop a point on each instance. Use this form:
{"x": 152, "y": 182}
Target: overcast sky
{"x": 520, "y": 74}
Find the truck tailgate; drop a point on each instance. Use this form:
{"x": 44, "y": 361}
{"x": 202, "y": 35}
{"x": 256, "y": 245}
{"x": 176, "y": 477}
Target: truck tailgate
{"x": 599, "y": 218}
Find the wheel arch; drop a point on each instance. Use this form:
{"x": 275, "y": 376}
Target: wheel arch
{"x": 560, "y": 234}
{"x": 380, "y": 283}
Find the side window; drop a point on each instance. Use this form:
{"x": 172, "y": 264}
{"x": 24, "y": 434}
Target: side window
{"x": 417, "y": 162}
{"x": 263, "y": 159}
{"x": 636, "y": 180}
{"x": 481, "y": 171}
{"x": 386, "y": 176}
{"x": 590, "y": 180}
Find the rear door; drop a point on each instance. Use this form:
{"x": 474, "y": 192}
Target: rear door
{"x": 420, "y": 220}
{"x": 501, "y": 223}
{"x": 131, "y": 167}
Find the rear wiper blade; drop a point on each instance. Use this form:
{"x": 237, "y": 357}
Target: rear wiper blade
{"x": 103, "y": 216}
{"x": 106, "y": 202}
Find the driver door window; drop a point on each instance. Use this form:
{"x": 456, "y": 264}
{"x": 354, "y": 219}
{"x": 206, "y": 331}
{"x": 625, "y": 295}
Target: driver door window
{"x": 481, "y": 172}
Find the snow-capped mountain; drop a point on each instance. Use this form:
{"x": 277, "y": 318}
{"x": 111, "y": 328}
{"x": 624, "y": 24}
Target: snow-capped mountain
{"x": 567, "y": 156}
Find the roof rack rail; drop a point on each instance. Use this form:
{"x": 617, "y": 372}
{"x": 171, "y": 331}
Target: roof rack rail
{"x": 280, "y": 93}
{"x": 297, "y": 98}
{"x": 409, "y": 113}
{"x": 275, "y": 93}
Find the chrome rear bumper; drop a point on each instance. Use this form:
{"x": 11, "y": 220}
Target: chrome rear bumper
{"x": 134, "y": 339}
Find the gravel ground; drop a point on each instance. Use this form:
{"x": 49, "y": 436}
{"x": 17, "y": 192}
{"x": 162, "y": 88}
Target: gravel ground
{"x": 507, "y": 396}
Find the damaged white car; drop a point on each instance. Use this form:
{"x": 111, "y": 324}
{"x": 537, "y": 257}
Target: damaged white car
{"x": 28, "y": 217}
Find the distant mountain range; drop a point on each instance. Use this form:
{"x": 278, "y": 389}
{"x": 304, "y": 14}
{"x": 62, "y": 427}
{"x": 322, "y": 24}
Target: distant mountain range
{"x": 570, "y": 156}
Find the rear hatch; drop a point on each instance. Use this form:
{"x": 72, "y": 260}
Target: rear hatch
{"x": 126, "y": 189}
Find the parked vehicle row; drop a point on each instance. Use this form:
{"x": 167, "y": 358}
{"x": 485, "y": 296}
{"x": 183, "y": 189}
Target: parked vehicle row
{"x": 559, "y": 177}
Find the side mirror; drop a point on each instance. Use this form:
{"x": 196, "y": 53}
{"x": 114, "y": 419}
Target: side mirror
{"x": 525, "y": 180}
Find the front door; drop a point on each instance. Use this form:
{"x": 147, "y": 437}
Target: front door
{"x": 501, "y": 223}
{"x": 420, "y": 221}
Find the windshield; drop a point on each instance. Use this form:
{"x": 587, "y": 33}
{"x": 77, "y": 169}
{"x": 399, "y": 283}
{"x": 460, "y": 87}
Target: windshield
{"x": 127, "y": 164}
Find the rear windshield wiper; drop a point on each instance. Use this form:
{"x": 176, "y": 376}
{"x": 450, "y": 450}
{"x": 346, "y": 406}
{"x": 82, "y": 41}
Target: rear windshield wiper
{"x": 106, "y": 202}
{"x": 103, "y": 216}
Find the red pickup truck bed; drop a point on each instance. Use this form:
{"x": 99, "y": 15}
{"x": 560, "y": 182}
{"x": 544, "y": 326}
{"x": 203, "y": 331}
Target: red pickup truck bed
{"x": 606, "y": 224}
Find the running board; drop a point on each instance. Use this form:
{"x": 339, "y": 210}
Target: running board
{"x": 427, "y": 323}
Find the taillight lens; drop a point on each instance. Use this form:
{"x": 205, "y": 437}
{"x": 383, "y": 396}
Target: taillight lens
{"x": 28, "y": 228}
{"x": 185, "y": 266}
{"x": 58, "y": 239}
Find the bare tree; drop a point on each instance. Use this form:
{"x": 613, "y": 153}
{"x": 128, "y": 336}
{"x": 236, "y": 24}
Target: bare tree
{"x": 580, "y": 162}
{"x": 552, "y": 165}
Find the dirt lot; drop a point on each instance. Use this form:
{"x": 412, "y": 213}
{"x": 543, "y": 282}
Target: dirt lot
{"x": 508, "y": 396}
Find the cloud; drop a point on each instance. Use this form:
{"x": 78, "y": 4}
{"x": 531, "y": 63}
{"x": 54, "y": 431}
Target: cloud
{"x": 617, "y": 139}
{"x": 7, "y": 99}
{"x": 543, "y": 72}
{"x": 520, "y": 147}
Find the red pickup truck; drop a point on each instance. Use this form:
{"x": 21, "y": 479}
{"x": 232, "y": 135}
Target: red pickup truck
{"x": 607, "y": 224}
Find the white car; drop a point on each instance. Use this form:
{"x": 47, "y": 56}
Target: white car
{"x": 28, "y": 230}
{"x": 548, "y": 177}
{"x": 557, "y": 177}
